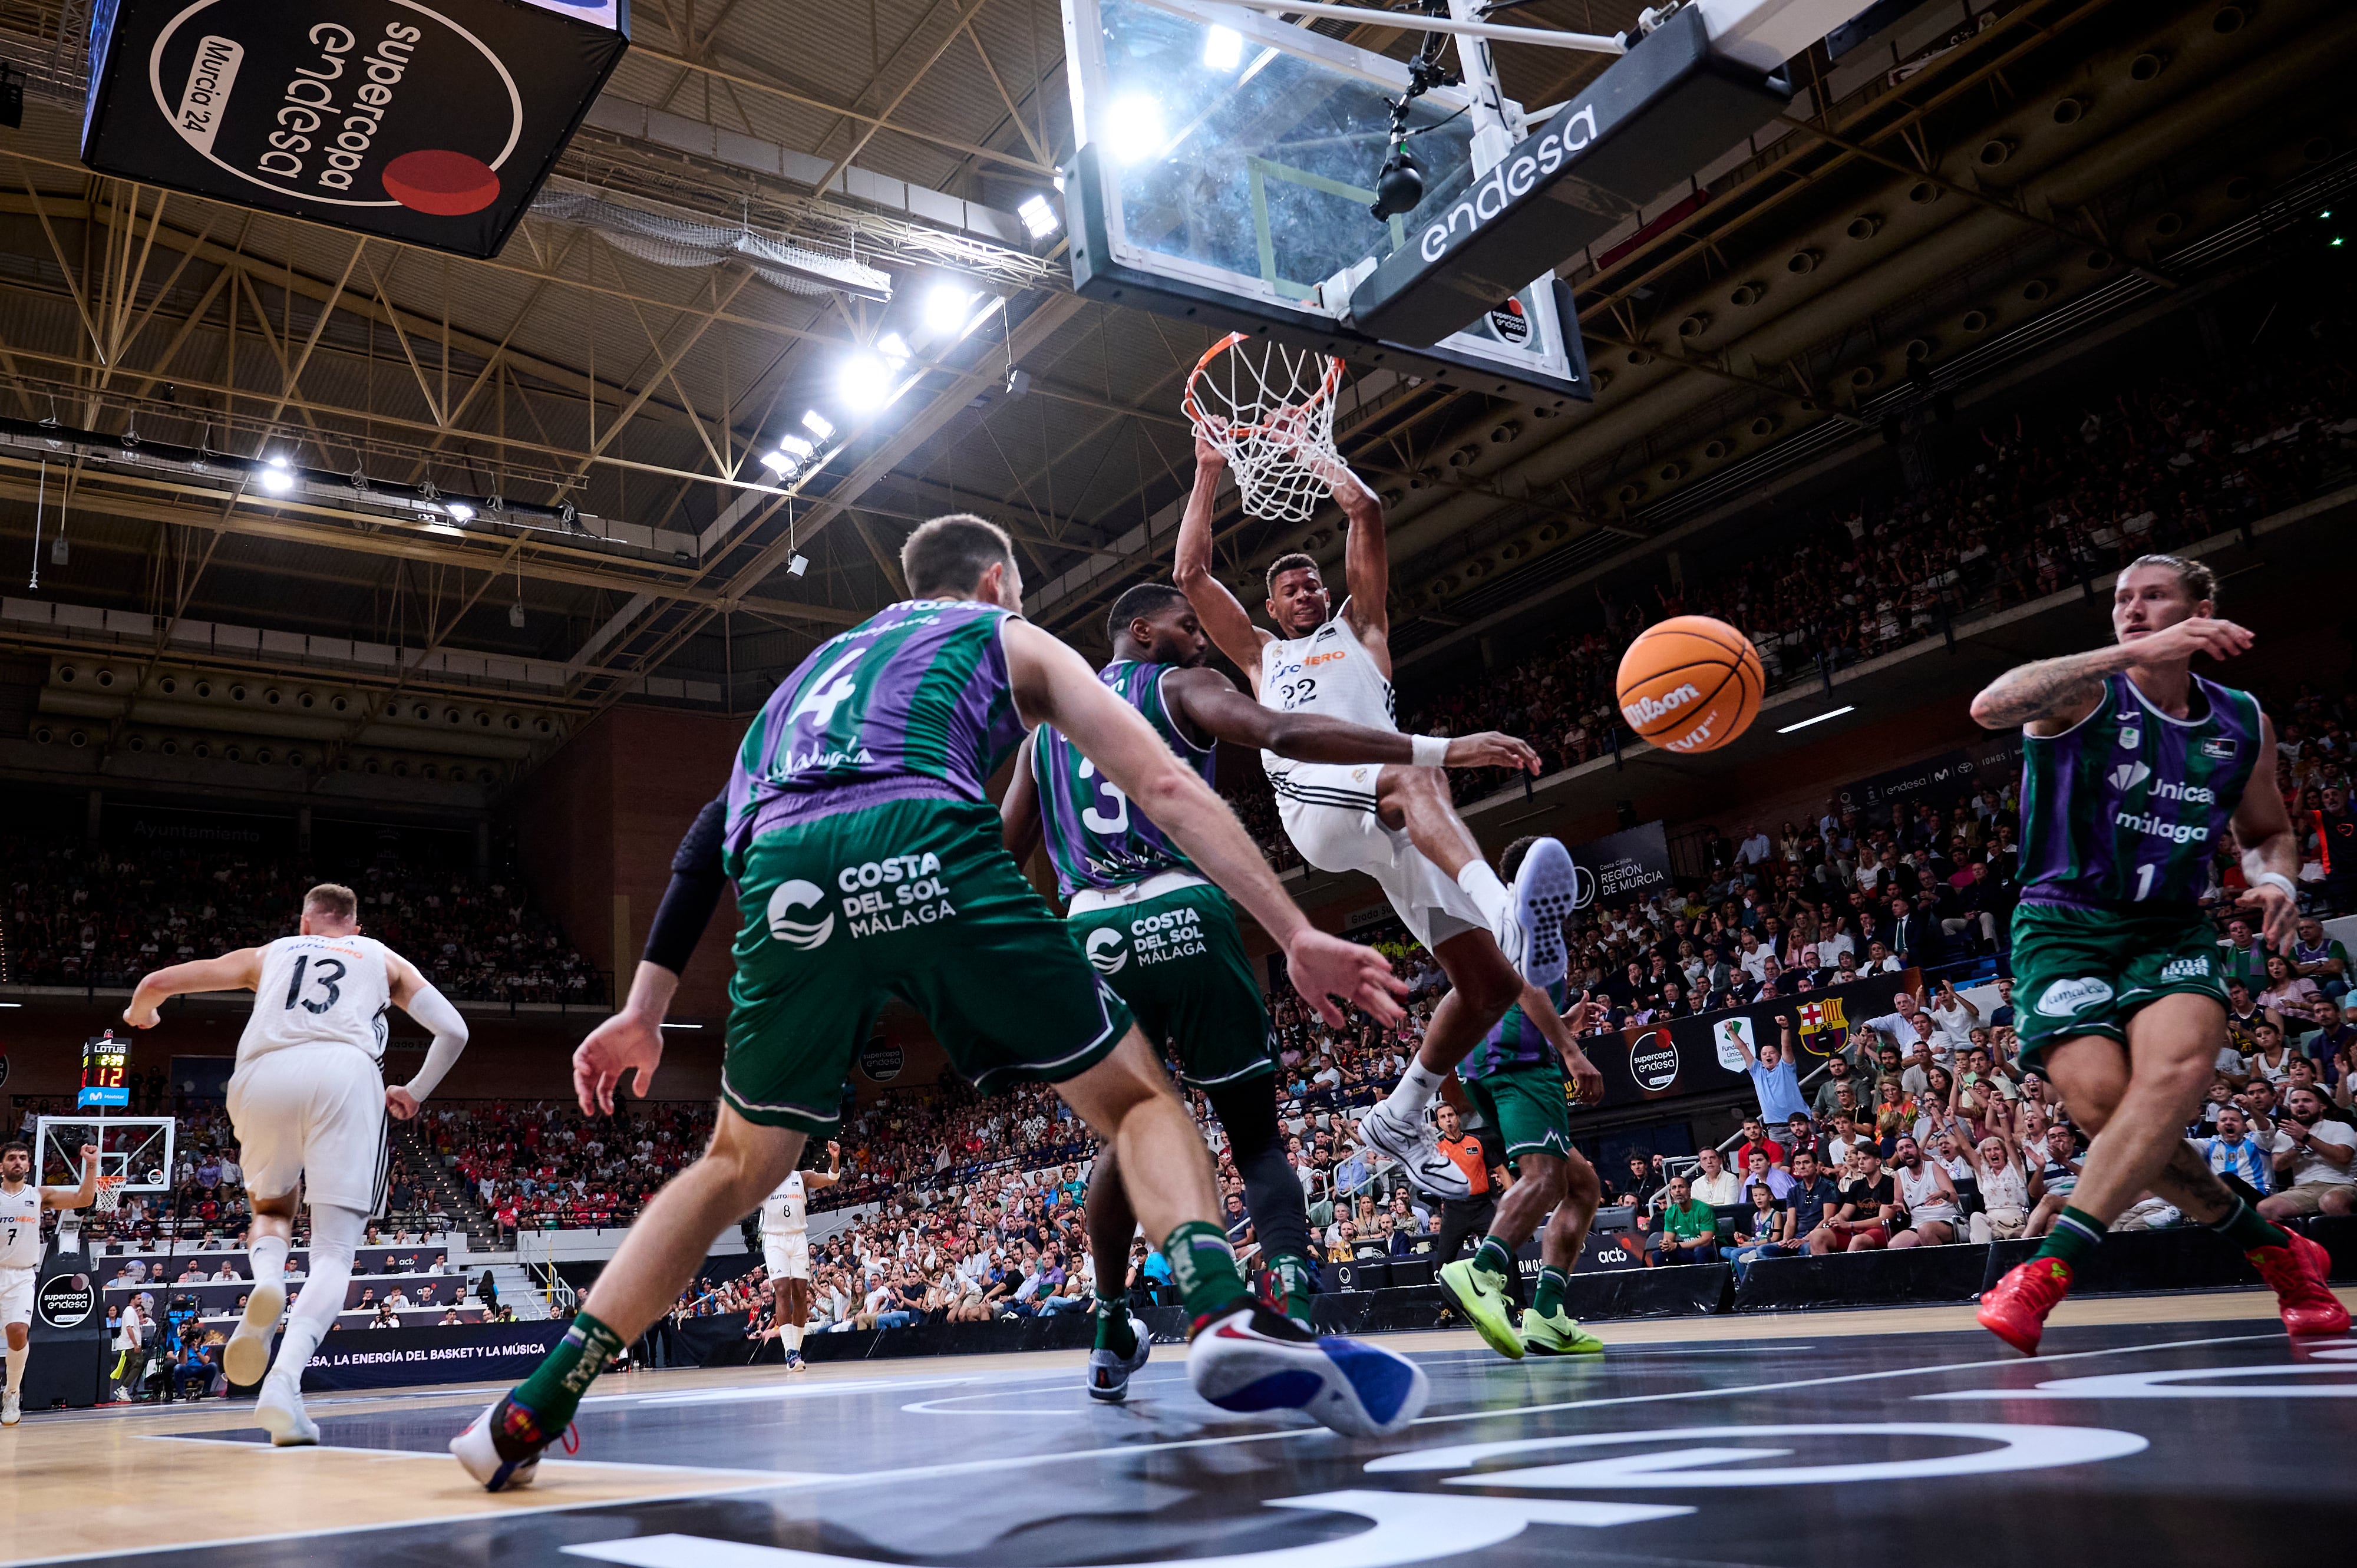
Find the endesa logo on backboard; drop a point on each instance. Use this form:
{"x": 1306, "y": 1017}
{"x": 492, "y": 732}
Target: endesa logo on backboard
{"x": 426, "y": 121}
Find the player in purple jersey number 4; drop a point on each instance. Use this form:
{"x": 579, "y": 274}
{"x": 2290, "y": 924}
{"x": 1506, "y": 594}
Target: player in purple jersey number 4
{"x": 2129, "y": 757}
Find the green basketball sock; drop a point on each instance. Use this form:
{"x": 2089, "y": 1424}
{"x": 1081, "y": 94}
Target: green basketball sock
{"x": 1548, "y": 1300}
{"x": 2244, "y": 1228}
{"x": 554, "y": 1390}
{"x": 2075, "y": 1234}
{"x": 1114, "y": 1332}
{"x": 1492, "y": 1258}
{"x": 1203, "y": 1266}
{"x": 1291, "y": 1275}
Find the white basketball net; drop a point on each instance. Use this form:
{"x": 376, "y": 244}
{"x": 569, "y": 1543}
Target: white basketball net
{"x": 1269, "y": 411}
{"x": 109, "y": 1195}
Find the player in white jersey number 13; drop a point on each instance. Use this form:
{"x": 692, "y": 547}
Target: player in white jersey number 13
{"x": 785, "y": 1251}
{"x": 1395, "y": 821}
{"x": 308, "y": 1102}
{"x": 21, "y": 1204}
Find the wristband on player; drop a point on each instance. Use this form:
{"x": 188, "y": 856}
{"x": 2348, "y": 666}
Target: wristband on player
{"x": 1428, "y": 750}
{"x": 2277, "y": 879}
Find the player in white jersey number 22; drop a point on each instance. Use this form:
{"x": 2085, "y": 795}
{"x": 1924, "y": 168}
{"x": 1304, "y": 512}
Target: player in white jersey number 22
{"x": 21, "y": 1204}
{"x": 785, "y": 1251}
{"x": 1394, "y": 821}
{"x": 308, "y": 1102}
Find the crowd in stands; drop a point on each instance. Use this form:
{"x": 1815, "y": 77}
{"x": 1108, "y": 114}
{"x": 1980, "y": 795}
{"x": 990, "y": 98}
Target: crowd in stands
{"x": 89, "y": 915}
{"x": 541, "y": 1165}
{"x": 2048, "y": 501}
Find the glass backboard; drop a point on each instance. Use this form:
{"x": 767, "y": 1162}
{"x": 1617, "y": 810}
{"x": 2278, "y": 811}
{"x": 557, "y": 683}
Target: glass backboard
{"x": 1227, "y": 165}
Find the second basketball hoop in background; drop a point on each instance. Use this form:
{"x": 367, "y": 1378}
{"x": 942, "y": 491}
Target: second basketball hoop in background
{"x": 1269, "y": 411}
{"x": 1690, "y": 683}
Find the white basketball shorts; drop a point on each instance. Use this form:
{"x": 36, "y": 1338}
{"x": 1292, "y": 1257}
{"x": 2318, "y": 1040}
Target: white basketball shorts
{"x": 16, "y": 1295}
{"x": 786, "y": 1253}
{"x": 1328, "y": 812}
{"x": 313, "y": 1114}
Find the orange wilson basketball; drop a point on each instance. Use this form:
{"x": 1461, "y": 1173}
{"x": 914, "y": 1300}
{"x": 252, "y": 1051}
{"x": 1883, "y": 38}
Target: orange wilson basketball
{"x": 1690, "y": 683}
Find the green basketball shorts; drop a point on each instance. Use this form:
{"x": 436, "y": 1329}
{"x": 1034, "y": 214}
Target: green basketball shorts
{"x": 2087, "y": 972}
{"x": 1529, "y": 1105}
{"x": 1176, "y": 957}
{"x": 915, "y": 899}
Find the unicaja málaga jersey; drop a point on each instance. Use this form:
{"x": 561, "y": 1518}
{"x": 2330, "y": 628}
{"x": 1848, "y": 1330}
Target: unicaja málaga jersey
{"x": 320, "y": 991}
{"x": 2126, "y": 806}
{"x": 786, "y": 1212}
{"x": 914, "y": 704}
{"x": 1094, "y": 835}
{"x": 1329, "y": 672}
{"x": 1515, "y": 1040}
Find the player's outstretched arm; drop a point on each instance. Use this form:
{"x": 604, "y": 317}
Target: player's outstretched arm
{"x": 2052, "y": 694}
{"x": 1019, "y": 828}
{"x": 1209, "y": 703}
{"x": 2270, "y": 848}
{"x": 239, "y": 971}
{"x": 416, "y": 995}
{"x": 1222, "y": 615}
{"x": 1366, "y": 560}
{"x": 816, "y": 1180}
{"x": 1053, "y": 686}
{"x": 1562, "y": 1033}
{"x": 81, "y": 1197}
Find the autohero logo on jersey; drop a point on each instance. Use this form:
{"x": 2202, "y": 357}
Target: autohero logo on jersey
{"x": 893, "y": 894}
{"x": 390, "y": 104}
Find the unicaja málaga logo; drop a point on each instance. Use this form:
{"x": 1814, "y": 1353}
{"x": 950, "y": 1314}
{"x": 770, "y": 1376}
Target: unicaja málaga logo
{"x": 788, "y": 898}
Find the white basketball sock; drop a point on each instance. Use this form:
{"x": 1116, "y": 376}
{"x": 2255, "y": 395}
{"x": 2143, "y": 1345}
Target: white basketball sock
{"x": 270, "y": 1261}
{"x": 17, "y": 1359}
{"x": 334, "y": 1240}
{"x": 792, "y": 1335}
{"x": 1414, "y": 1091}
{"x": 1481, "y": 886}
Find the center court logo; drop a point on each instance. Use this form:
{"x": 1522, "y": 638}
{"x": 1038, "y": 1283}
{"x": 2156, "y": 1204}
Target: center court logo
{"x": 792, "y": 896}
{"x": 2065, "y": 997}
{"x": 1105, "y": 950}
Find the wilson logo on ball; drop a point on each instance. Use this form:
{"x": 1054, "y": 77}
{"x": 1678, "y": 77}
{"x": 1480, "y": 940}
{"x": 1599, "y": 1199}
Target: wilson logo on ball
{"x": 1648, "y": 711}
{"x": 1690, "y": 683}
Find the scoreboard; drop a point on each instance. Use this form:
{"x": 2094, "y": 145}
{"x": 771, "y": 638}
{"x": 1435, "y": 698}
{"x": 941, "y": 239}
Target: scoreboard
{"x": 105, "y": 1073}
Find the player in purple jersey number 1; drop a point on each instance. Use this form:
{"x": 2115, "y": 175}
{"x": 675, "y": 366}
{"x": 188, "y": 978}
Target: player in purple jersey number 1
{"x": 2124, "y": 1012}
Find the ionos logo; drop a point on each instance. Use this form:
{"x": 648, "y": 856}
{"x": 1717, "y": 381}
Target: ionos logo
{"x": 2065, "y": 997}
{"x": 1509, "y": 182}
{"x": 1653, "y": 1061}
{"x": 393, "y": 104}
{"x": 792, "y": 896}
{"x": 1105, "y": 950}
{"x": 1647, "y": 711}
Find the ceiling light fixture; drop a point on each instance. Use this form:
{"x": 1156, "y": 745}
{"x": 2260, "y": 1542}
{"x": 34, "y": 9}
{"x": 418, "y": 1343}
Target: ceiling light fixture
{"x": 945, "y": 307}
{"x": 1847, "y": 708}
{"x": 1224, "y": 48}
{"x": 1039, "y": 215}
{"x": 460, "y": 510}
{"x": 818, "y": 424}
{"x": 865, "y": 381}
{"x": 1133, "y": 128}
{"x": 277, "y": 477}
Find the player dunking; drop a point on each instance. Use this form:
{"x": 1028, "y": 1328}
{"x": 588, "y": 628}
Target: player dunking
{"x": 1396, "y": 821}
{"x": 785, "y": 1251}
{"x": 1515, "y": 1077}
{"x": 869, "y": 865}
{"x": 308, "y": 1102}
{"x": 2132, "y": 767}
{"x": 21, "y": 1205}
{"x": 1166, "y": 940}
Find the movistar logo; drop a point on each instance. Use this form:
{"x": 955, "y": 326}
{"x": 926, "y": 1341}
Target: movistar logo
{"x": 1646, "y": 711}
{"x": 797, "y": 895}
{"x": 1105, "y": 951}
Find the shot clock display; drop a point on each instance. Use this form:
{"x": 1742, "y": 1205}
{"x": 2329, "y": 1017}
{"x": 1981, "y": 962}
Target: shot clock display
{"x": 105, "y": 1073}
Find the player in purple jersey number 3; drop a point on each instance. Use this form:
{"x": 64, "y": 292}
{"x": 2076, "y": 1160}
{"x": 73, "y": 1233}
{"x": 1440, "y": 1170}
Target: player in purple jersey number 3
{"x": 2132, "y": 767}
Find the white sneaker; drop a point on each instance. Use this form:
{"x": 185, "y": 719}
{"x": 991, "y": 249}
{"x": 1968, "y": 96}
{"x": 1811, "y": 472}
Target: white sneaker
{"x": 280, "y": 1410}
{"x": 1253, "y": 1359}
{"x": 499, "y": 1462}
{"x": 1418, "y": 1149}
{"x": 1546, "y": 888}
{"x": 10, "y": 1411}
{"x": 1109, "y": 1374}
{"x": 246, "y": 1356}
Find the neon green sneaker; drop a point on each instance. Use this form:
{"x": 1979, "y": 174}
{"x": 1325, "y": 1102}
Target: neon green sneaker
{"x": 1481, "y": 1298}
{"x": 1557, "y": 1335}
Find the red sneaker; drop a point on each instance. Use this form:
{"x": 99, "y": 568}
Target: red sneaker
{"x": 2297, "y": 1274}
{"x": 2014, "y": 1309}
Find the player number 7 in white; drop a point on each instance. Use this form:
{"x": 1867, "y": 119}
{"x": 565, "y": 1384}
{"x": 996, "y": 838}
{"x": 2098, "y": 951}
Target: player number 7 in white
{"x": 1104, "y": 823}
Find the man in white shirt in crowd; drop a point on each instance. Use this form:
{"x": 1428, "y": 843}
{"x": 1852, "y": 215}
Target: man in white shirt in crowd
{"x": 1713, "y": 1183}
{"x": 2313, "y": 1160}
{"x": 1752, "y": 959}
{"x": 2236, "y": 1156}
{"x": 1755, "y": 846}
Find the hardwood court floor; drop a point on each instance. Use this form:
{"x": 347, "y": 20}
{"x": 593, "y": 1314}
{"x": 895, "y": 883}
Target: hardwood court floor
{"x": 2153, "y": 1429}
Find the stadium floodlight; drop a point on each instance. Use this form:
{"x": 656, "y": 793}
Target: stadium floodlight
{"x": 818, "y": 424}
{"x": 1820, "y": 718}
{"x": 1040, "y": 216}
{"x": 1224, "y": 48}
{"x": 946, "y": 305}
{"x": 865, "y": 381}
{"x": 277, "y": 477}
{"x": 1133, "y": 128}
{"x": 787, "y": 454}
{"x": 460, "y": 510}
{"x": 895, "y": 349}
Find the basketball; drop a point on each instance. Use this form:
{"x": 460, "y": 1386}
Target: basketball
{"x": 1690, "y": 683}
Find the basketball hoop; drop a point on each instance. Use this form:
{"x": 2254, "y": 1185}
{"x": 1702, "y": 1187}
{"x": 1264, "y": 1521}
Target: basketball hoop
{"x": 109, "y": 1194}
{"x": 1269, "y": 411}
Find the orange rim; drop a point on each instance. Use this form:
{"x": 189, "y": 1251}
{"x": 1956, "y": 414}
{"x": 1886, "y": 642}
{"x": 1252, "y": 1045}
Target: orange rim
{"x": 1194, "y": 410}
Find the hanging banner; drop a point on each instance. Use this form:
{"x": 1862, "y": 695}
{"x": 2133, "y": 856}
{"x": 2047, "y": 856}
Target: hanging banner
{"x": 429, "y": 121}
{"x": 1996, "y": 762}
{"x": 1621, "y": 868}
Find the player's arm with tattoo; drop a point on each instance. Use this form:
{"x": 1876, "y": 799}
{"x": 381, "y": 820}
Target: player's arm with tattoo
{"x": 2052, "y": 694}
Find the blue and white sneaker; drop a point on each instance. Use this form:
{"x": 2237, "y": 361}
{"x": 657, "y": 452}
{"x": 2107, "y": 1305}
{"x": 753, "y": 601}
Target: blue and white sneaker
{"x": 1251, "y": 1359}
{"x": 1546, "y": 888}
{"x": 1109, "y": 1374}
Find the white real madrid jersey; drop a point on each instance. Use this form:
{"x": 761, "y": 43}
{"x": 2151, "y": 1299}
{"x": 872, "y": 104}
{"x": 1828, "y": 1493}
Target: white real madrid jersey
{"x": 785, "y": 1212}
{"x": 20, "y": 1227}
{"x": 320, "y": 991}
{"x": 1331, "y": 673}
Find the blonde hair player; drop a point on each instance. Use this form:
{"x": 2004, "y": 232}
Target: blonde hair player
{"x": 21, "y": 1204}
{"x": 785, "y": 1251}
{"x": 309, "y": 1101}
{"x": 1396, "y": 821}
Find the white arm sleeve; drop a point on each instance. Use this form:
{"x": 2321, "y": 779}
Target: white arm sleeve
{"x": 433, "y": 1009}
